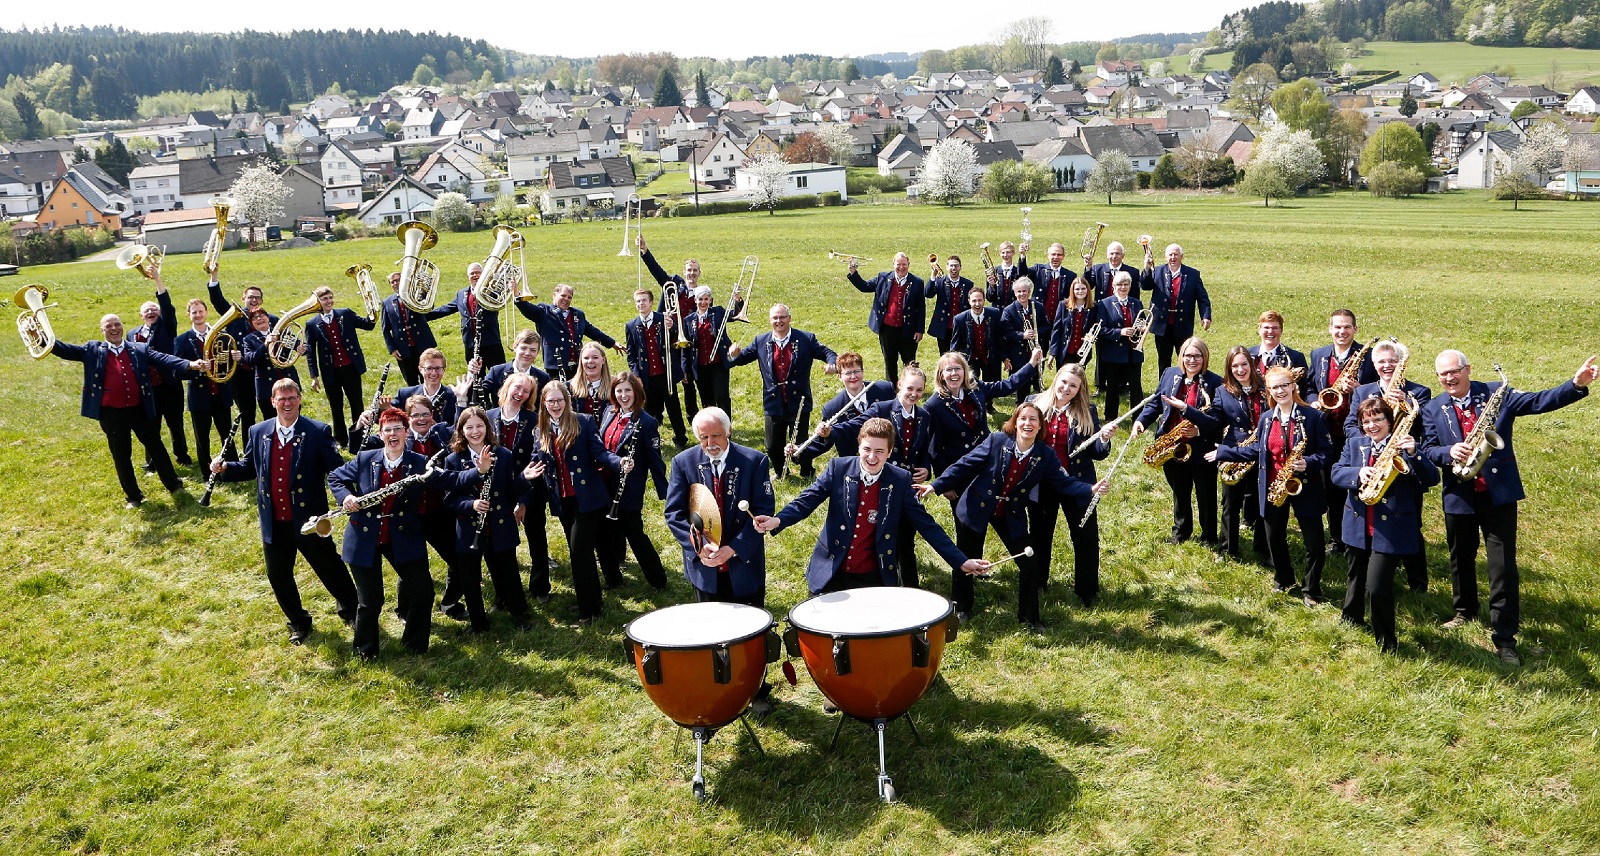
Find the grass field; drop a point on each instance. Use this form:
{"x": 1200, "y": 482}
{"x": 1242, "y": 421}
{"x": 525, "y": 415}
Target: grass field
{"x": 150, "y": 704}
{"x": 1458, "y": 62}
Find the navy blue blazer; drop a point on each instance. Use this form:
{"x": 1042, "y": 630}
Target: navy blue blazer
{"x": 588, "y": 462}
{"x": 780, "y": 400}
{"x": 840, "y": 484}
{"x": 315, "y": 455}
{"x": 361, "y": 475}
{"x": 526, "y": 443}
{"x": 1041, "y": 275}
{"x": 845, "y": 433}
{"x": 1292, "y": 359}
{"x": 1396, "y": 519}
{"x": 1062, "y": 348}
{"x": 1312, "y": 498}
{"x": 980, "y": 475}
{"x": 495, "y": 377}
{"x": 953, "y": 436}
{"x": 162, "y": 335}
{"x": 1241, "y": 420}
{"x": 999, "y": 294}
{"x": 1210, "y": 422}
{"x": 633, "y": 334}
{"x": 1193, "y": 299}
{"x": 440, "y": 434}
{"x": 1017, "y": 349}
{"x": 747, "y": 475}
{"x": 711, "y": 319}
{"x": 1100, "y": 277}
{"x": 948, "y": 297}
{"x": 647, "y": 462}
{"x": 319, "y": 357}
{"x": 1352, "y": 427}
{"x": 444, "y": 403}
{"x": 913, "y": 303}
{"x": 561, "y": 348}
{"x": 1500, "y": 472}
{"x": 458, "y": 306}
{"x": 920, "y": 455}
{"x": 400, "y": 329}
{"x": 204, "y": 396}
{"x": 1082, "y": 466}
{"x": 93, "y": 354}
{"x": 964, "y": 331}
{"x": 501, "y": 532}
{"x": 239, "y": 327}
{"x": 1113, "y": 346}
{"x": 253, "y": 351}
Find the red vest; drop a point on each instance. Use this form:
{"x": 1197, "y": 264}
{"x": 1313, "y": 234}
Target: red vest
{"x": 862, "y": 556}
{"x": 387, "y": 477}
{"x": 897, "y": 296}
{"x": 122, "y": 388}
{"x": 341, "y": 355}
{"x": 278, "y": 479}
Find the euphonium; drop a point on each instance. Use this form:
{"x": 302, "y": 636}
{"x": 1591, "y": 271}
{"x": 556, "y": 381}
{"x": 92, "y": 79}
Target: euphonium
{"x": 218, "y": 347}
{"x": 32, "y": 324}
{"x": 368, "y": 289}
{"x": 145, "y": 258}
{"x": 988, "y": 262}
{"x": 1286, "y": 484}
{"x": 419, "y": 278}
{"x": 212, "y": 254}
{"x": 1390, "y": 462}
{"x": 286, "y": 349}
{"x": 1334, "y": 397}
{"x": 1233, "y": 472}
{"x": 497, "y": 285}
{"x": 1483, "y": 438}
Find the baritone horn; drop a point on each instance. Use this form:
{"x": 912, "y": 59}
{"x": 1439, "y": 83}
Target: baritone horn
{"x": 1091, "y": 241}
{"x": 145, "y": 258}
{"x": 218, "y": 346}
{"x": 212, "y": 254}
{"x": 632, "y": 211}
{"x": 290, "y": 335}
{"x": 496, "y": 286}
{"x": 368, "y": 289}
{"x": 419, "y": 278}
{"x": 32, "y": 324}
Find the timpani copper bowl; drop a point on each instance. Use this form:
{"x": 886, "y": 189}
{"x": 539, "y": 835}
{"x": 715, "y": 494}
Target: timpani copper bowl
{"x": 702, "y": 664}
{"x": 873, "y": 652}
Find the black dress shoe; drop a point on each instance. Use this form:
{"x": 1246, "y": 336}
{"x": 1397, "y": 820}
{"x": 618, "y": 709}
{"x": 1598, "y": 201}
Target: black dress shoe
{"x": 133, "y": 504}
{"x": 185, "y": 462}
{"x": 299, "y": 635}
{"x": 1034, "y": 626}
{"x": 1176, "y": 539}
{"x": 458, "y": 611}
{"x": 542, "y": 599}
{"x": 522, "y": 622}
{"x": 613, "y": 584}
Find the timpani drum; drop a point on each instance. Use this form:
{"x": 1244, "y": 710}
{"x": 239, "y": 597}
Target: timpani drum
{"x": 702, "y": 664}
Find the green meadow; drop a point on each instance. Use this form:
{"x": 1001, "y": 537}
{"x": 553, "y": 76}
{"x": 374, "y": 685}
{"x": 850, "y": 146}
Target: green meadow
{"x": 1458, "y": 62}
{"x": 149, "y": 701}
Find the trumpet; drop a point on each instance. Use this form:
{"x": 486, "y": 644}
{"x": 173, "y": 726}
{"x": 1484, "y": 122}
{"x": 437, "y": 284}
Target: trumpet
{"x": 847, "y": 258}
{"x": 1149, "y": 260}
{"x": 1332, "y": 398}
{"x": 368, "y": 290}
{"x": 212, "y": 254}
{"x": 496, "y": 286}
{"x": 739, "y": 302}
{"x": 218, "y": 346}
{"x": 419, "y": 278}
{"x": 285, "y": 349}
{"x": 933, "y": 261}
{"x": 145, "y": 258}
{"x": 32, "y": 324}
{"x": 988, "y": 262}
{"x": 632, "y": 209}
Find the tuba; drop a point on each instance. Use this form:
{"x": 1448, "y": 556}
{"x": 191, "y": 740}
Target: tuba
{"x": 497, "y": 285}
{"x": 145, "y": 258}
{"x": 290, "y": 335}
{"x": 32, "y": 324}
{"x": 419, "y": 278}
{"x": 218, "y": 347}
{"x": 212, "y": 254}
{"x": 362, "y": 274}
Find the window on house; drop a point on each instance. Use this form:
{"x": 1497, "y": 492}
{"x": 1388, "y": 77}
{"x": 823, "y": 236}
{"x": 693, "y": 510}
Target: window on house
{"x": 801, "y": 181}
{"x": 397, "y": 204}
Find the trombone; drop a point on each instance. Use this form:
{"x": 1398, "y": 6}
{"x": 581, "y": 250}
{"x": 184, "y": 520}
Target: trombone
{"x": 739, "y": 302}
{"x": 847, "y": 258}
{"x": 632, "y": 209}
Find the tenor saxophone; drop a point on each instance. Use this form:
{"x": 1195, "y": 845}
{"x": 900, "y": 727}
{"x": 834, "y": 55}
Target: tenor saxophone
{"x": 1233, "y": 472}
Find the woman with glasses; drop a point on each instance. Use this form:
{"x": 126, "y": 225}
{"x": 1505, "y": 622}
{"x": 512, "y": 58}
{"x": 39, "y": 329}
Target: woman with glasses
{"x": 1188, "y": 395}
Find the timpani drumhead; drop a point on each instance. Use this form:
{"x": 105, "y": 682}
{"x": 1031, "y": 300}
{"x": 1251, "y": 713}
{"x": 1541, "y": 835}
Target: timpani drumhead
{"x": 699, "y": 625}
{"x": 870, "y": 611}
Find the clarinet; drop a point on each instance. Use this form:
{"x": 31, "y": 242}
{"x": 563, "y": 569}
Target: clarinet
{"x": 227, "y": 446}
{"x": 479, "y": 387}
{"x": 484, "y": 495}
{"x": 622, "y": 479}
{"x": 372, "y": 409}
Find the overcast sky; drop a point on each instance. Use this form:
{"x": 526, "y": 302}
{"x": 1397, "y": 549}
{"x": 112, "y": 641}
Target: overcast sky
{"x": 736, "y": 31}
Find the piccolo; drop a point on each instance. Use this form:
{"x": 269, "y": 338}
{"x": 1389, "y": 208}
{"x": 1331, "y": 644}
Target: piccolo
{"x": 1115, "y": 422}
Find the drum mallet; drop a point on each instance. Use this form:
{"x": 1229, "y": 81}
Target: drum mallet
{"x": 1026, "y": 551}
{"x": 744, "y": 505}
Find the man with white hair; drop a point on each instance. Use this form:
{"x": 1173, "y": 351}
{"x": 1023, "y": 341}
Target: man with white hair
{"x": 160, "y": 332}
{"x": 1487, "y": 502}
{"x": 1177, "y": 295}
{"x": 708, "y": 350}
{"x": 1100, "y": 276}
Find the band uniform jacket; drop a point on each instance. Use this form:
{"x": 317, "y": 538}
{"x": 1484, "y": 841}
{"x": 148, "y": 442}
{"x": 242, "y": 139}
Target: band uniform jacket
{"x": 1017, "y": 349}
{"x": 747, "y": 476}
{"x": 489, "y": 318}
{"x": 526, "y": 444}
{"x": 1396, "y": 519}
{"x": 501, "y": 532}
{"x": 201, "y": 398}
{"x": 1000, "y": 294}
{"x": 840, "y": 484}
{"x": 920, "y": 455}
{"x": 913, "y": 303}
{"x": 560, "y": 348}
{"x": 711, "y": 319}
{"x": 444, "y": 402}
{"x": 1352, "y": 425}
{"x": 1080, "y": 467}
{"x": 361, "y": 475}
{"x": 440, "y": 435}
{"x": 685, "y": 307}
{"x": 953, "y": 436}
{"x": 843, "y": 437}
{"x": 320, "y": 353}
{"x": 1238, "y": 415}
{"x": 314, "y": 455}
{"x": 1208, "y": 420}
{"x": 1100, "y": 276}
{"x": 963, "y": 335}
{"x": 395, "y": 329}
{"x": 1306, "y": 422}
{"x": 588, "y": 462}
{"x": 645, "y": 434}
{"x": 1041, "y": 275}
{"x": 779, "y": 400}
{"x": 495, "y": 378}
{"x": 253, "y": 351}
{"x": 1290, "y": 359}
{"x": 239, "y": 327}
{"x": 980, "y": 476}
{"x": 1191, "y": 300}
{"x": 93, "y": 355}
{"x": 636, "y": 341}
{"x": 948, "y": 296}
{"x": 162, "y": 335}
{"x": 1322, "y": 360}
{"x": 1062, "y": 348}
{"x": 1113, "y": 346}
{"x": 1500, "y": 471}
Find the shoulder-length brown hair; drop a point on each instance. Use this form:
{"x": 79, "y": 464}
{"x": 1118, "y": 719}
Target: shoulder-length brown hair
{"x": 567, "y": 427}
{"x": 458, "y": 443}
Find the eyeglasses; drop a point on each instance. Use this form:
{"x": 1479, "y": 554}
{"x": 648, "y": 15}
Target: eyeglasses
{"x": 1279, "y": 387}
{"x": 1452, "y": 372}
{"x": 433, "y": 368}
{"x": 392, "y": 428}
{"x": 1192, "y": 356}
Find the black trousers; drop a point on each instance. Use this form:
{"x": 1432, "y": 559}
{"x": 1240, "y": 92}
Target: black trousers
{"x": 325, "y": 563}
{"x": 970, "y": 543}
{"x": 724, "y": 594}
{"x": 1498, "y": 526}
{"x": 1240, "y": 503}
{"x": 121, "y": 425}
{"x": 780, "y": 431}
{"x": 409, "y": 370}
{"x": 1166, "y": 346}
{"x": 1277, "y": 524}
{"x": 659, "y": 398}
{"x": 267, "y": 410}
{"x": 944, "y": 348}
{"x": 712, "y": 384}
{"x": 244, "y": 397}
{"x": 583, "y": 528}
{"x": 615, "y": 536}
{"x": 169, "y": 409}
{"x": 203, "y": 421}
{"x": 343, "y": 386}
{"x": 1198, "y": 477}
{"x": 439, "y": 530}
{"x": 899, "y": 345}
{"x": 986, "y": 372}
{"x": 844, "y": 581}
{"x": 1417, "y": 563}
{"x": 1042, "y": 516}
{"x": 1371, "y": 577}
{"x": 502, "y": 573}
{"x": 1337, "y": 496}
{"x": 1120, "y": 379}
{"x": 418, "y": 614}
{"x": 909, "y": 576}
{"x": 533, "y": 529}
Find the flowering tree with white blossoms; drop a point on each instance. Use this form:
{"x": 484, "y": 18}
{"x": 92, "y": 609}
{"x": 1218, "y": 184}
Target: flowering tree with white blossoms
{"x": 258, "y": 195}
{"x": 947, "y": 173}
{"x": 768, "y": 174}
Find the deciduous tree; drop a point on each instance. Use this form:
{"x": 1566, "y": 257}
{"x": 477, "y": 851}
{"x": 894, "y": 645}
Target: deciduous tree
{"x": 258, "y": 196}
{"x": 769, "y": 174}
{"x": 947, "y": 173}
{"x": 1113, "y": 174}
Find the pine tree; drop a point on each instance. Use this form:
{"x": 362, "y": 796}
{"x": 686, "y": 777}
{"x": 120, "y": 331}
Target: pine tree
{"x": 701, "y": 96}
{"x": 667, "y": 94}
{"x": 32, "y": 128}
{"x": 1054, "y": 74}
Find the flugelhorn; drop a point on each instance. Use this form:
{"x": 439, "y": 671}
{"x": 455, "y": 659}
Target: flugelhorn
{"x": 847, "y": 258}
{"x": 218, "y": 346}
{"x": 496, "y": 286}
{"x": 32, "y": 324}
{"x": 419, "y": 278}
{"x": 1091, "y": 242}
{"x": 1149, "y": 260}
{"x": 368, "y": 289}
{"x": 632, "y": 211}
{"x": 739, "y": 303}
{"x": 145, "y": 258}
{"x": 285, "y": 349}
{"x": 212, "y": 254}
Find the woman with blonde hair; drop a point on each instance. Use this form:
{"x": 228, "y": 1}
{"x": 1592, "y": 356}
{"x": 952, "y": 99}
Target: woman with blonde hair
{"x": 574, "y": 456}
{"x": 1069, "y": 420}
{"x": 591, "y": 386}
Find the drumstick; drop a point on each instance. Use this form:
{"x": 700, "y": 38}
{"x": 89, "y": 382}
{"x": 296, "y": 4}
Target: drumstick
{"x": 744, "y": 505}
{"x": 1026, "y": 551}
{"x": 1118, "y": 421}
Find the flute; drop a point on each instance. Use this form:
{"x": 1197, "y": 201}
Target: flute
{"x": 1095, "y": 501}
{"x": 1117, "y": 421}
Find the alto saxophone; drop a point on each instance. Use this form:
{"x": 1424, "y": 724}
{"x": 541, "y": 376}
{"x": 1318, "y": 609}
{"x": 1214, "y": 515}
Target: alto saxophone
{"x": 1286, "y": 484}
{"x": 1389, "y": 464}
{"x": 1483, "y": 438}
{"x": 1233, "y": 472}
{"x": 1173, "y": 446}
{"x": 1334, "y": 397}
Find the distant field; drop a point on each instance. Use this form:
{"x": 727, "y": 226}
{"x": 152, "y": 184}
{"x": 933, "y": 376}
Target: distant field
{"x": 1459, "y": 61}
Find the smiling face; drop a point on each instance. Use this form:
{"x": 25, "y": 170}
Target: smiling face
{"x": 1027, "y": 422}
{"x": 1239, "y": 367}
{"x": 519, "y": 388}
{"x": 1007, "y": 253}
{"x": 1066, "y": 388}
{"x": 641, "y": 302}
{"x": 197, "y": 314}
{"x": 713, "y": 438}
{"x": 691, "y": 272}
{"x": 953, "y": 376}
{"x": 150, "y": 313}
{"x": 912, "y": 388}
{"x": 1454, "y": 374}
{"x": 1375, "y": 425}
{"x": 902, "y": 264}
{"x": 1058, "y": 253}
{"x": 475, "y": 429}
{"x": 421, "y": 418}
{"x": 1114, "y": 254}
{"x": 555, "y": 401}
{"x": 1342, "y": 329}
{"x": 622, "y": 393}
{"x": 1271, "y": 332}
{"x": 975, "y": 302}
{"x": 592, "y": 360}
{"x": 287, "y": 402}
{"x": 954, "y": 268}
{"x": 526, "y": 352}
{"x": 394, "y": 437}
{"x": 779, "y": 318}
{"x": 111, "y": 329}
{"x": 874, "y": 453}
